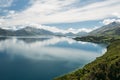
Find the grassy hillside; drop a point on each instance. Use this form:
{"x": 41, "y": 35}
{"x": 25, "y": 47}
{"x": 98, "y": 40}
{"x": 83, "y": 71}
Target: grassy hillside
{"x": 106, "y": 67}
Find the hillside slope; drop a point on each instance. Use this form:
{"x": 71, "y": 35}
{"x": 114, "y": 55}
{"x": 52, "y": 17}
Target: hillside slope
{"x": 112, "y": 29}
{"x": 106, "y": 67}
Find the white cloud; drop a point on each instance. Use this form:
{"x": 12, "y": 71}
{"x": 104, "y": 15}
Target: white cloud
{"x": 80, "y": 30}
{"x": 11, "y": 12}
{"x": 108, "y": 21}
{"x": 61, "y": 11}
{"x": 5, "y": 3}
{"x": 53, "y": 29}
{"x": 57, "y": 30}
{"x": 1, "y": 21}
{"x": 116, "y": 14}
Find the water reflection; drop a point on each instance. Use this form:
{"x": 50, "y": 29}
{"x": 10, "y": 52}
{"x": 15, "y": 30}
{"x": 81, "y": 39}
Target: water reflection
{"x": 47, "y": 57}
{"x": 46, "y": 48}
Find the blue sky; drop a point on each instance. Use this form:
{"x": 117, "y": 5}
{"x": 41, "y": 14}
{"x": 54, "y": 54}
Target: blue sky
{"x": 63, "y": 14}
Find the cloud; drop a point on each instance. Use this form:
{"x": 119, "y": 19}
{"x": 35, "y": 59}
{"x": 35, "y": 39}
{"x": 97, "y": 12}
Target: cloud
{"x": 63, "y": 11}
{"x": 53, "y": 29}
{"x": 57, "y": 30}
{"x": 108, "y": 21}
{"x": 1, "y": 21}
{"x": 5, "y": 3}
{"x": 116, "y": 14}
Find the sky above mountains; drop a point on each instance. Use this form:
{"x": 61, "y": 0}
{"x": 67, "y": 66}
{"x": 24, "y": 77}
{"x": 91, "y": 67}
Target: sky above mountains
{"x": 62, "y": 14}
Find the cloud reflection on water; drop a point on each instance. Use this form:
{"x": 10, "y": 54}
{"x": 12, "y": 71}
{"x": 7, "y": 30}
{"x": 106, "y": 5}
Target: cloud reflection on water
{"x": 48, "y": 49}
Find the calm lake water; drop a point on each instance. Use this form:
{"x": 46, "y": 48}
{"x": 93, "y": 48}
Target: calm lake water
{"x": 43, "y": 58}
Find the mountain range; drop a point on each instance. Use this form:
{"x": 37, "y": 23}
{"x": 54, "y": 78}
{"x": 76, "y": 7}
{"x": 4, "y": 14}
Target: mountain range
{"x": 32, "y": 31}
{"x": 27, "y": 31}
{"x": 112, "y": 29}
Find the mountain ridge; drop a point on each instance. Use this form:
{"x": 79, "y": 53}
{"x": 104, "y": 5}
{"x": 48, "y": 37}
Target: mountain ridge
{"x": 24, "y": 32}
{"x": 29, "y": 30}
{"x": 112, "y": 29}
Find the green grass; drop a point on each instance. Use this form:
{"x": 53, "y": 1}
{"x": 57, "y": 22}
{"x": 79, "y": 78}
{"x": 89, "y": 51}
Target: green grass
{"x": 106, "y": 67}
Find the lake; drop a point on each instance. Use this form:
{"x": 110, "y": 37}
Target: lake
{"x": 44, "y": 57}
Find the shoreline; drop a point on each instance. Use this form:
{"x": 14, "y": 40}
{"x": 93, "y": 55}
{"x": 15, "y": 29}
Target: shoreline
{"x": 90, "y": 70}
